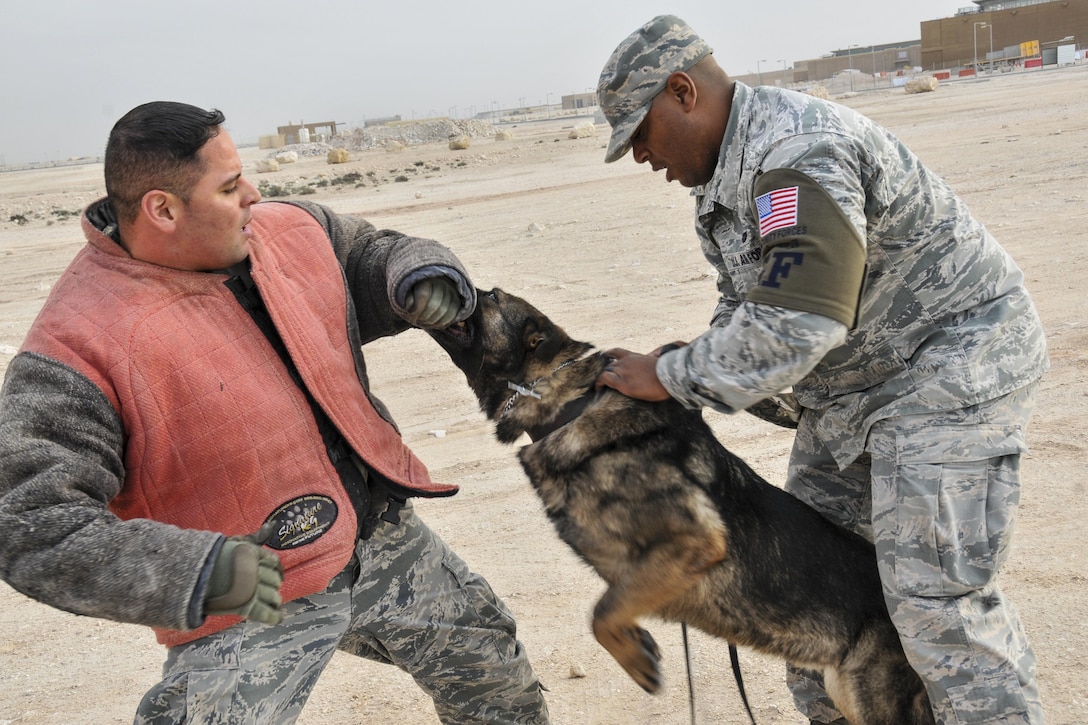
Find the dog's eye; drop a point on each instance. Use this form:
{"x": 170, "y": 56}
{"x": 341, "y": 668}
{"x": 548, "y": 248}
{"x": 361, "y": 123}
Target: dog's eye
{"x": 493, "y": 295}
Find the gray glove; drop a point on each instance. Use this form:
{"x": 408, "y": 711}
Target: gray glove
{"x": 433, "y": 302}
{"x": 246, "y": 579}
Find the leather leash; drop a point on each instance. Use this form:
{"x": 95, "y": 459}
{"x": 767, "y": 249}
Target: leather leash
{"x": 734, "y": 662}
{"x": 687, "y": 661}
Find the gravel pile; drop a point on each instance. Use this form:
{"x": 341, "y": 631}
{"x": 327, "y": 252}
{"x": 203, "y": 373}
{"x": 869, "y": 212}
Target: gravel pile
{"x": 439, "y": 130}
{"x": 302, "y": 149}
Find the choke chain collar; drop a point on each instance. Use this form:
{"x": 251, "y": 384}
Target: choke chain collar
{"x": 528, "y": 390}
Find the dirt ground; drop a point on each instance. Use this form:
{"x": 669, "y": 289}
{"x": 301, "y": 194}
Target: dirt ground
{"x": 609, "y": 252}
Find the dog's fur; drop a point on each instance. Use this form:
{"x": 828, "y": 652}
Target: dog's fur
{"x": 678, "y": 526}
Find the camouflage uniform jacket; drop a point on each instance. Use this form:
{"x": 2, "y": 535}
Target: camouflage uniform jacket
{"x": 132, "y": 436}
{"x": 942, "y": 320}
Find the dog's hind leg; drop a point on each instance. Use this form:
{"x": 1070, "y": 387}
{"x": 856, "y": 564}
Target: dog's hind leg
{"x": 875, "y": 685}
{"x": 646, "y": 586}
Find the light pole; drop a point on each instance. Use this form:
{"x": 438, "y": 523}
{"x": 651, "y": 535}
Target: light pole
{"x": 850, "y": 64}
{"x": 759, "y": 76}
{"x": 783, "y": 70}
{"x": 990, "y": 57}
{"x": 549, "y": 97}
{"x": 974, "y": 34}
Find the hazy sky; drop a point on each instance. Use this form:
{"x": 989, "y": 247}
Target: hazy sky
{"x": 70, "y": 68}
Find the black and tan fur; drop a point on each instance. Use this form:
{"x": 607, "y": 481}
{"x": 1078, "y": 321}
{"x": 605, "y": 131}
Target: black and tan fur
{"x": 678, "y": 526}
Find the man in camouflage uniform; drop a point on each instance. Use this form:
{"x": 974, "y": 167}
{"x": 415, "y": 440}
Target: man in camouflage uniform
{"x": 189, "y": 442}
{"x": 851, "y": 272}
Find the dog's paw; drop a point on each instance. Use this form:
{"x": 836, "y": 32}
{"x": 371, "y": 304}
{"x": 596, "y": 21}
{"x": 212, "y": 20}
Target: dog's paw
{"x": 646, "y": 669}
{"x": 636, "y": 651}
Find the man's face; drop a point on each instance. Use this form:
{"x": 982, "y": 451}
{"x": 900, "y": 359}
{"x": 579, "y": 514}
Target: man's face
{"x": 211, "y": 231}
{"x": 669, "y": 138}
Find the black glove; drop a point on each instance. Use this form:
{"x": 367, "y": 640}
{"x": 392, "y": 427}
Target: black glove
{"x": 246, "y": 579}
{"x": 782, "y": 410}
{"x": 433, "y": 302}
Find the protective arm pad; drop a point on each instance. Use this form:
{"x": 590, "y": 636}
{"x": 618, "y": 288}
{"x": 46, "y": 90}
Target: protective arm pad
{"x": 433, "y": 302}
{"x": 816, "y": 264}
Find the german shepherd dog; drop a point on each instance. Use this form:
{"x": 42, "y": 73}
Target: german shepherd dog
{"x": 679, "y": 527}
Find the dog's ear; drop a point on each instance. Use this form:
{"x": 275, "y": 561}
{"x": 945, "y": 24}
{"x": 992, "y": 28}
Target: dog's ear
{"x": 544, "y": 340}
{"x": 534, "y": 333}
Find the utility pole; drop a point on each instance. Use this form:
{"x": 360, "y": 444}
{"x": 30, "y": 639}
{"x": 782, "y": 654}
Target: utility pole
{"x": 974, "y": 33}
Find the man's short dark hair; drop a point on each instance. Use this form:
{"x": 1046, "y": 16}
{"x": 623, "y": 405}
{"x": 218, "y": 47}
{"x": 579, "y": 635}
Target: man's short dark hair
{"x": 156, "y": 146}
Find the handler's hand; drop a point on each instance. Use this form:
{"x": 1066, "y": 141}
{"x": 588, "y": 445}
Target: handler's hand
{"x": 633, "y": 375}
{"x": 433, "y": 302}
{"x": 246, "y": 580}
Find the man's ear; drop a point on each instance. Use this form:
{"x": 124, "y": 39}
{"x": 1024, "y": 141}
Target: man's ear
{"x": 161, "y": 209}
{"x": 681, "y": 87}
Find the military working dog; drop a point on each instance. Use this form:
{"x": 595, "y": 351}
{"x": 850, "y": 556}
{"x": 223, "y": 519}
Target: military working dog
{"x": 678, "y": 526}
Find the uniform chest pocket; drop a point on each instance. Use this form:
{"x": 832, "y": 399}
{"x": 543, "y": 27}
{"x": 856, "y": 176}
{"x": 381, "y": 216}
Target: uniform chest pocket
{"x": 741, "y": 255}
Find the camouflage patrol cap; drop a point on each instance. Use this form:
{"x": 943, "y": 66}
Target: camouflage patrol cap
{"x": 637, "y": 72}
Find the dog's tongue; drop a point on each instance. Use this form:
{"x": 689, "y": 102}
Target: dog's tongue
{"x": 460, "y": 331}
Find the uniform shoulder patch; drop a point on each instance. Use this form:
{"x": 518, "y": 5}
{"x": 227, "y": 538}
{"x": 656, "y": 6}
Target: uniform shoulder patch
{"x": 813, "y": 257}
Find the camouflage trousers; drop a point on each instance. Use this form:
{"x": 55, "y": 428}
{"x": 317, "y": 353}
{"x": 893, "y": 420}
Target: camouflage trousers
{"x": 407, "y": 600}
{"x": 937, "y": 494}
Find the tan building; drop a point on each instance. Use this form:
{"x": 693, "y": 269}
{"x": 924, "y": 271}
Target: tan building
{"x": 578, "y": 101}
{"x": 306, "y": 132}
{"x": 871, "y": 60}
{"x": 1004, "y": 32}
{"x": 886, "y": 60}
{"x": 999, "y": 33}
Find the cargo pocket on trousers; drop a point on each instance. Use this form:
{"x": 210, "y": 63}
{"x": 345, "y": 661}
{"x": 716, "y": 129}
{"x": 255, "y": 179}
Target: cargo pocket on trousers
{"x": 954, "y": 508}
{"x": 999, "y": 696}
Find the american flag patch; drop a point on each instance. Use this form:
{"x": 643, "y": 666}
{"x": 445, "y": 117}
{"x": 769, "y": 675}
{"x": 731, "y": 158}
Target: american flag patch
{"x": 777, "y": 209}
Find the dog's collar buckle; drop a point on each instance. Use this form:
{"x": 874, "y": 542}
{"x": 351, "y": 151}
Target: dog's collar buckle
{"x": 522, "y": 390}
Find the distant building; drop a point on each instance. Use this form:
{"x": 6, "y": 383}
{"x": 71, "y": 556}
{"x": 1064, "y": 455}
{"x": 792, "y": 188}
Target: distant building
{"x": 578, "y": 101}
{"x": 1004, "y": 33}
{"x": 883, "y": 59}
{"x": 886, "y": 59}
{"x": 1024, "y": 33}
{"x": 305, "y": 132}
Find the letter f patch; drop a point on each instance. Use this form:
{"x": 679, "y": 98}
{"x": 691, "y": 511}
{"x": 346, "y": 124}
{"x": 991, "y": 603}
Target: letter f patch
{"x": 783, "y": 262}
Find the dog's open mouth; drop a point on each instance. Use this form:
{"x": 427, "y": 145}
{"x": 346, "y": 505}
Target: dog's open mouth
{"x": 462, "y": 332}
{"x": 459, "y": 334}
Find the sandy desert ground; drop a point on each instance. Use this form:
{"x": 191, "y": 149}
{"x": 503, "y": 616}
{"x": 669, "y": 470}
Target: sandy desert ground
{"x": 608, "y": 251}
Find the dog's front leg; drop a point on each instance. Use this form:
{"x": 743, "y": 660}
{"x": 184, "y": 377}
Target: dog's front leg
{"x": 656, "y": 579}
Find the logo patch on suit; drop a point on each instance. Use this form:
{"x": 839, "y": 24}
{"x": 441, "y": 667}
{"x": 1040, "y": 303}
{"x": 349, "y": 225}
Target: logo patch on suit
{"x": 301, "y": 521}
